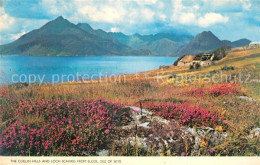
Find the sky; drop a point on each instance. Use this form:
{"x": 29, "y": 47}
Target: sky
{"x": 227, "y": 19}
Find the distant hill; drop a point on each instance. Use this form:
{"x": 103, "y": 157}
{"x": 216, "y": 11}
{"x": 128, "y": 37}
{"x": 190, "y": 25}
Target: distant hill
{"x": 203, "y": 42}
{"x": 121, "y": 37}
{"x": 62, "y": 38}
{"x": 238, "y": 43}
{"x": 159, "y": 44}
{"x": 165, "y": 47}
{"x": 227, "y": 42}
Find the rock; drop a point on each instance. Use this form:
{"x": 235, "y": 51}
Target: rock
{"x": 254, "y": 133}
{"x": 248, "y": 98}
{"x": 143, "y": 119}
{"x": 159, "y": 120}
{"x": 103, "y": 153}
{"x": 145, "y": 125}
{"x": 193, "y": 131}
{"x": 165, "y": 136}
{"x": 146, "y": 116}
{"x": 209, "y": 134}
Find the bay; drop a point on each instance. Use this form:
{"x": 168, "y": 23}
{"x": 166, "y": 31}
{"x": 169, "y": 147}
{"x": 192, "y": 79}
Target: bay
{"x": 19, "y": 68}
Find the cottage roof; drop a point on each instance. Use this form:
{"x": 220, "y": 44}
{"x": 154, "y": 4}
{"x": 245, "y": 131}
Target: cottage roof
{"x": 203, "y": 57}
{"x": 254, "y": 42}
{"x": 187, "y": 58}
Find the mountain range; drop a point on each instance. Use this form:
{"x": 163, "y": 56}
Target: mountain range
{"x": 60, "y": 37}
{"x": 238, "y": 43}
{"x": 160, "y": 44}
{"x": 207, "y": 42}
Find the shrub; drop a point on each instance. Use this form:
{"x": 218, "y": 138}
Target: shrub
{"x": 164, "y": 67}
{"x": 197, "y": 65}
{"x": 184, "y": 113}
{"x": 227, "y": 68}
{"x": 216, "y": 90}
{"x": 220, "y": 52}
{"x": 57, "y": 127}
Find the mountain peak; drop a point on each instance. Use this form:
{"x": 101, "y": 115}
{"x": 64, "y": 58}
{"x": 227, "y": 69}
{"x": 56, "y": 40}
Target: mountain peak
{"x": 206, "y": 33}
{"x": 57, "y": 25}
{"x": 203, "y": 42}
{"x": 59, "y": 18}
{"x": 58, "y": 21}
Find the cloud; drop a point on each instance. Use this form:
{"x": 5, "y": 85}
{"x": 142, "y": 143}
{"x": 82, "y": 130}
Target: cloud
{"x": 136, "y": 16}
{"x": 219, "y": 2}
{"x": 229, "y": 4}
{"x": 108, "y": 11}
{"x": 160, "y": 5}
{"x": 147, "y": 14}
{"x": 145, "y": 2}
{"x": 114, "y": 29}
{"x": 191, "y": 15}
{"x": 17, "y": 35}
{"x": 129, "y": 16}
{"x": 5, "y": 20}
{"x": 70, "y": 9}
{"x": 101, "y": 11}
{"x": 117, "y": 11}
{"x": 246, "y": 4}
{"x": 55, "y": 7}
{"x": 11, "y": 28}
{"x": 24, "y": 9}
{"x": 211, "y": 18}
{"x": 162, "y": 17}
{"x": 187, "y": 18}
{"x": 104, "y": 14}
{"x": 184, "y": 14}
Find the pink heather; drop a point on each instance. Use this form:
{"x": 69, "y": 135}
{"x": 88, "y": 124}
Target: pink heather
{"x": 107, "y": 131}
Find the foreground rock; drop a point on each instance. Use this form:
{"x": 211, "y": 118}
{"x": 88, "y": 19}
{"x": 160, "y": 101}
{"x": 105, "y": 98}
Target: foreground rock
{"x": 149, "y": 134}
{"x": 163, "y": 137}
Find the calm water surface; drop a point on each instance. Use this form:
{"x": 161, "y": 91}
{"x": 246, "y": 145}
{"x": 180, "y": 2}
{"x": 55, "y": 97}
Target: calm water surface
{"x": 18, "y": 68}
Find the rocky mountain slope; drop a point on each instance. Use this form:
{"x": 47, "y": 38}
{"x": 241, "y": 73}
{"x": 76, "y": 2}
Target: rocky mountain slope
{"x": 62, "y": 38}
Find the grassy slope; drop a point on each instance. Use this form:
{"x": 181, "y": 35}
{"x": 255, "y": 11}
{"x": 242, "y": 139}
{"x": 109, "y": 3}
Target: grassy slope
{"x": 247, "y": 62}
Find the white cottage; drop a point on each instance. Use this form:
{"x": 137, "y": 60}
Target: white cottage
{"x": 254, "y": 45}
